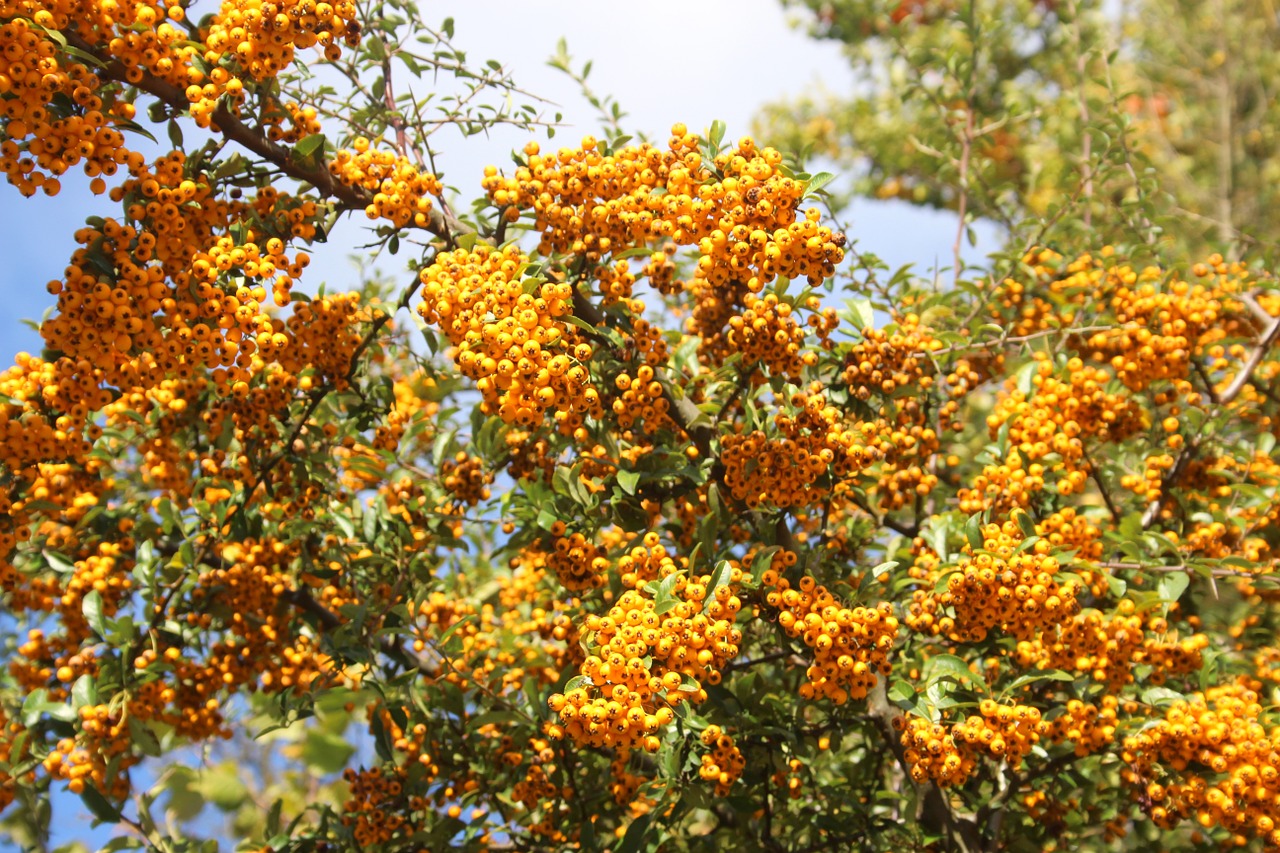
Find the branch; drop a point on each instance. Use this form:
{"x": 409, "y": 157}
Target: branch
{"x": 1255, "y": 357}
{"x": 1102, "y": 487}
{"x": 315, "y": 173}
{"x": 1215, "y": 571}
{"x": 935, "y": 810}
{"x": 1184, "y": 458}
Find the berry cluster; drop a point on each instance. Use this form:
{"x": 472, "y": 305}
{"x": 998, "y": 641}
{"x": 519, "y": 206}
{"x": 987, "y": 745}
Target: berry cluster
{"x": 948, "y": 756}
{"x": 999, "y": 588}
{"x": 724, "y": 764}
{"x": 738, "y": 209}
{"x": 649, "y": 661}
{"x": 766, "y": 334}
{"x": 1109, "y": 649}
{"x": 466, "y": 479}
{"x": 815, "y": 447}
{"x": 850, "y": 644}
{"x": 399, "y": 191}
{"x": 54, "y": 110}
{"x": 1209, "y": 759}
{"x": 578, "y": 562}
{"x": 1090, "y": 727}
{"x": 253, "y": 41}
{"x": 524, "y": 358}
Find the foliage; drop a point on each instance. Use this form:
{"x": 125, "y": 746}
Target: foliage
{"x": 1072, "y": 112}
{"x": 800, "y": 553}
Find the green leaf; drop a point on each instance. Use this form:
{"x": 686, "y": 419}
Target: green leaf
{"x": 58, "y": 563}
{"x": 441, "y": 445}
{"x": 185, "y": 802}
{"x": 1026, "y": 523}
{"x": 884, "y": 567}
{"x": 817, "y": 182}
{"x": 1172, "y": 585}
{"x": 1026, "y": 377}
{"x": 722, "y": 576}
{"x": 763, "y": 560}
{"x": 1161, "y": 697}
{"x": 98, "y": 805}
{"x": 144, "y": 738}
{"x": 448, "y": 632}
{"x": 308, "y": 145}
{"x": 665, "y": 600}
{"x": 635, "y": 834}
{"x": 381, "y": 737}
{"x": 1040, "y": 675}
{"x": 85, "y": 692}
{"x": 574, "y": 320}
{"x": 323, "y": 751}
{"x": 863, "y": 314}
{"x": 628, "y": 480}
{"x": 950, "y": 666}
{"x": 345, "y": 526}
{"x": 716, "y": 135}
{"x": 91, "y": 606}
{"x": 973, "y": 532}
{"x": 902, "y": 691}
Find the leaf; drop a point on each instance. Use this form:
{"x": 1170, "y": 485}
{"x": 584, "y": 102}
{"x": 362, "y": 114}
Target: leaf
{"x": 884, "y": 567}
{"x": 344, "y": 524}
{"x": 308, "y": 145}
{"x": 716, "y": 134}
{"x": 817, "y": 182}
{"x": 58, "y": 563}
{"x": 950, "y": 666}
{"x": 973, "y": 532}
{"x": 1041, "y": 675}
{"x": 323, "y": 751}
{"x": 1026, "y": 523}
{"x": 1026, "y": 377}
{"x": 441, "y": 445}
{"x": 449, "y": 632}
{"x": 902, "y": 691}
{"x": 85, "y": 692}
{"x": 1172, "y": 585}
{"x": 98, "y": 805}
{"x": 722, "y": 576}
{"x": 628, "y": 480}
{"x": 574, "y": 320}
{"x": 138, "y": 129}
{"x": 763, "y": 560}
{"x": 1161, "y": 696}
{"x": 142, "y": 736}
{"x": 665, "y": 599}
{"x": 635, "y": 834}
{"x": 381, "y": 737}
{"x": 185, "y": 802}
{"x": 864, "y": 315}
{"x": 91, "y": 606}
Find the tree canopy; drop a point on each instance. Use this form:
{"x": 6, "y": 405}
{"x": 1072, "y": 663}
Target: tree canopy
{"x": 629, "y": 502}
